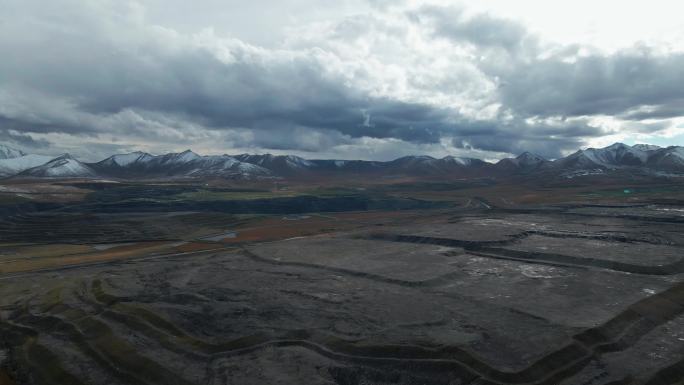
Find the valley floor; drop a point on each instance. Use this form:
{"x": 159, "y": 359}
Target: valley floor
{"x": 476, "y": 292}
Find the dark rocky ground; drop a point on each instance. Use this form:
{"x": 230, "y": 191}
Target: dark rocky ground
{"x": 581, "y": 295}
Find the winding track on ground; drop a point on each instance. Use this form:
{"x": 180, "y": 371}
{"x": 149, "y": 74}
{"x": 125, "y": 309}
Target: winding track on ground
{"x": 488, "y": 249}
{"x": 617, "y": 334}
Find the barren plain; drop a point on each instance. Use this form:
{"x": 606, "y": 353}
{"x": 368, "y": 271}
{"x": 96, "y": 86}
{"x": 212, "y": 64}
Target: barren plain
{"x": 405, "y": 283}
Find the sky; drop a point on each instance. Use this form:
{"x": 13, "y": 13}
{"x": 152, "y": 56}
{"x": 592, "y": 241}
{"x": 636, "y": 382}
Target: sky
{"x": 346, "y": 79}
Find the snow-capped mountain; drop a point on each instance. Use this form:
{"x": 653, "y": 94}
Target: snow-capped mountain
{"x": 222, "y": 165}
{"x": 427, "y": 164}
{"x": 64, "y": 166}
{"x": 526, "y": 161}
{"x": 460, "y": 161}
{"x": 670, "y": 158}
{"x": 183, "y": 164}
{"x": 322, "y": 166}
{"x": 613, "y": 156}
{"x": 13, "y": 166}
{"x": 278, "y": 164}
{"x": 184, "y": 157}
{"x": 125, "y": 160}
{"x": 13, "y": 161}
{"x": 412, "y": 162}
{"x": 189, "y": 164}
{"x": 646, "y": 147}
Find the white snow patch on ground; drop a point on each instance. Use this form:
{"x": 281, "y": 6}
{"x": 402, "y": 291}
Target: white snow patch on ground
{"x": 544, "y": 272}
{"x": 220, "y": 237}
{"x": 107, "y": 246}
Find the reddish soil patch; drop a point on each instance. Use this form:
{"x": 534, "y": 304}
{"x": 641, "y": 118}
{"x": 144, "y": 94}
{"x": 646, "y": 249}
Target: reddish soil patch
{"x": 277, "y": 228}
{"x": 5, "y": 379}
{"x": 115, "y": 253}
{"x": 197, "y": 246}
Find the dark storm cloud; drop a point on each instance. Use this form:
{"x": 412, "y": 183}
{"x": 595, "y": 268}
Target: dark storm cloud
{"x": 300, "y": 138}
{"x": 250, "y": 88}
{"x": 242, "y": 94}
{"x": 673, "y": 108}
{"x": 597, "y": 84}
{"x": 27, "y": 124}
{"x": 20, "y": 140}
{"x": 101, "y": 69}
{"x": 517, "y": 136}
{"x": 510, "y": 143}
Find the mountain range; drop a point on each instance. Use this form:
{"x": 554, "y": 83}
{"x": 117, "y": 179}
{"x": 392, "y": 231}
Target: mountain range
{"x": 187, "y": 164}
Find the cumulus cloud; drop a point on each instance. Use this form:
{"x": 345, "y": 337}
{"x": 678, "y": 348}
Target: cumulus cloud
{"x": 480, "y": 30}
{"x": 550, "y": 80}
{"x": 19, "y": 139}
{"x": 429, "y": 77}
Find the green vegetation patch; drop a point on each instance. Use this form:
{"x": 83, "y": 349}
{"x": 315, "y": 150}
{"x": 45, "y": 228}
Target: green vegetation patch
{"x": 630, "y": 191}
{"x": 47, "y": 365}
{"x": 222, "y": 195}
{"x": 12, "y": 199}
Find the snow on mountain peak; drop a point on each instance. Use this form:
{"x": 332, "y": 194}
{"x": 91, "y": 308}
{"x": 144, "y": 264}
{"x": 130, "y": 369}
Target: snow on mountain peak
{"x": 13, "y": 166}
{"x": 179, "y": 158}
{"x": 458, "y": 160}
{"x": 296, "y": 161}
{"x": 63, "y": 157}
{"x": 529, "y": 155}
{"x": 618, "y": 154}
{"x": 188, "y": 163}
{"x": 187, "y": 156}
{"x": 64, "y": 166}
{"x": 525, "y": 161}
{"x": 529, "y": 159}
{"x": 124, "y": 160}
{"x": 646, "y": 147}
{"x": 676, "y": 151}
